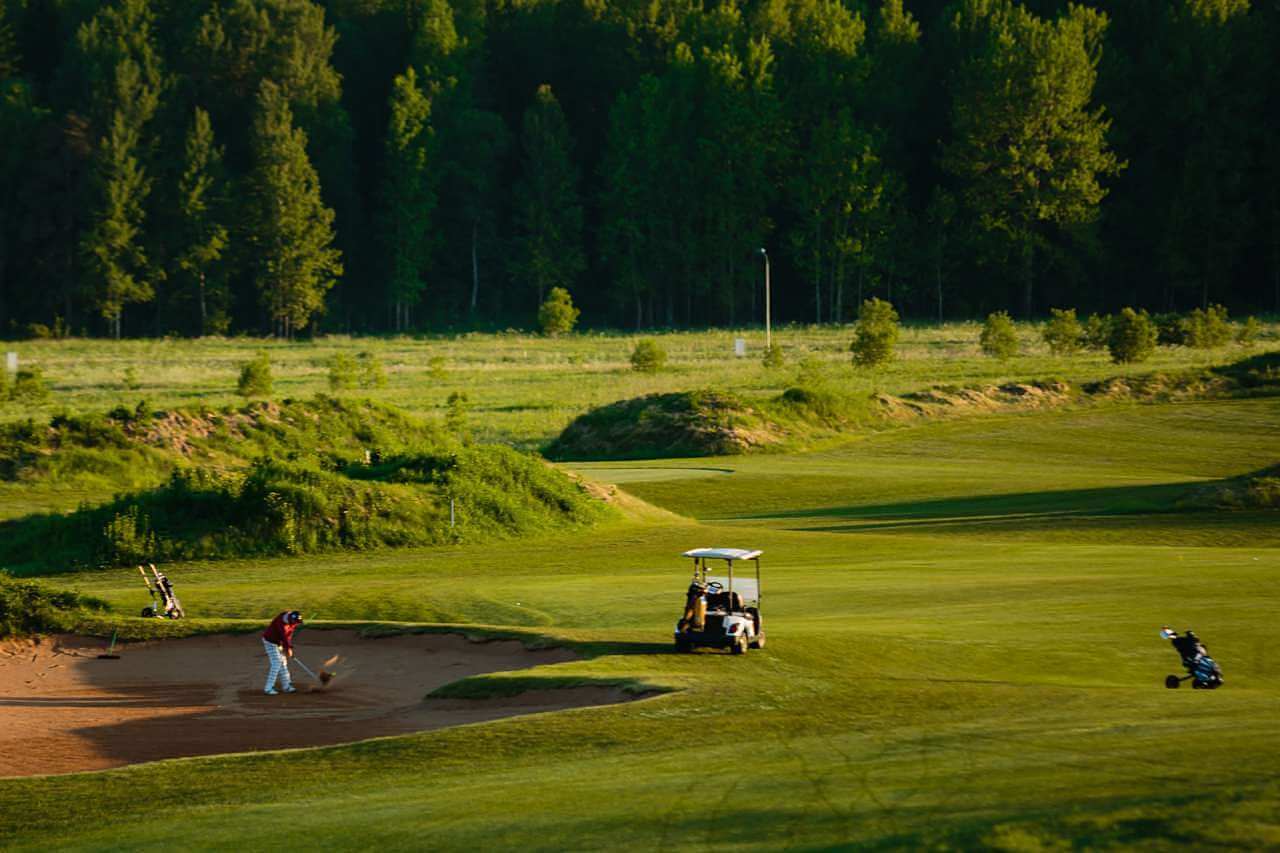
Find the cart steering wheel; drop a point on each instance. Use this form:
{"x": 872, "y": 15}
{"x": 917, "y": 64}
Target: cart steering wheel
{"x": 715, "y": 586}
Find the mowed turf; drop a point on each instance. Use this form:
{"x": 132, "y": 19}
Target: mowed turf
{"x": 962, "y": 651}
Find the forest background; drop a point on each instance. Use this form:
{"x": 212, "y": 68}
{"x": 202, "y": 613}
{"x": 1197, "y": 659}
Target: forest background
{"x": 285, "y": 166}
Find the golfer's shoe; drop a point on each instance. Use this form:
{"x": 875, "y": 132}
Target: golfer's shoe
{"x": 291, "y": 689}
{"x": 272, "y": 692}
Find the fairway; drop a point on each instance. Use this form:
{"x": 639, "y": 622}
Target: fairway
{"x": 962, "y": 651}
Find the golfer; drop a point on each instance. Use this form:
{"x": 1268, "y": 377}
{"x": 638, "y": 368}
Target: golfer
{"x": 278, "y": 642}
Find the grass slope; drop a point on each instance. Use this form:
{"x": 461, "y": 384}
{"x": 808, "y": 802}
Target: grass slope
{"x": 271, "y": 479}
{"x": 715, "y": 423}
{"x": 959, "y": 684}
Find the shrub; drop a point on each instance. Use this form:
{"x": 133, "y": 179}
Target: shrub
{"x": 127, "y": 539}
{"x": 648, "y": 357}
{"x": 1171, "y": 330}
{"x": 557, "y": 316}
{"x": 1063, "y": 332}
{"x": 29, "y": 386}
{"x": 343, "y": 372}
{"x": 255, "y": 377}
{"x": 27, "y": 607}
{"x": 455, "y": 415}
{"x": 773, "y": 357}
{"x": 372, "y": 374}
{"x": 1097, "y": 332}
{"x": 1207, "y": 329}
{"x": 999, "y": 338}
{"x": 130, "y": 379}
{"x": 436, "y": 367}
{"x": 1133, "y": 336}
{"x": 1248, "y": 332}
{"x": 876, "y": 334}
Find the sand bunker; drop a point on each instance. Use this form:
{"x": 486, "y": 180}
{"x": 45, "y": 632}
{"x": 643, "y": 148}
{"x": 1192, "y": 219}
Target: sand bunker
{"x": 63, "y": 710}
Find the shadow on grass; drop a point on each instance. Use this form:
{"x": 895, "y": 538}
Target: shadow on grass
{"x": 1155, "y": 514}
{"x": 1118, "y": 500}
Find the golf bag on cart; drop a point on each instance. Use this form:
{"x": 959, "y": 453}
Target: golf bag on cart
{"x": 164, "y": 601}
{"x": 1204, "y": 672}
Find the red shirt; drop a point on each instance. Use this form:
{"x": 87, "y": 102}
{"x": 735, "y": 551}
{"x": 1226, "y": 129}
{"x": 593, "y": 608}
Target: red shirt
{"x": 280, "y": 633}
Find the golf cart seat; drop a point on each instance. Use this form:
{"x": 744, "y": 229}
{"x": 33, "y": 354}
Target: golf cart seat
{"x": 729, "y": 602}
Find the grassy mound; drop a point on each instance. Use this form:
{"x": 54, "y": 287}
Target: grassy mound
{"x": 1257, "y": 490}
{"x": 27, "y": 607}
{"x": 693, "y": 423}
{"x": 716, "y": 423}
{"x": 300, "y": 478}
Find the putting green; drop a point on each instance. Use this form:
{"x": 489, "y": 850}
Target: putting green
{"x": 962, "y": 652}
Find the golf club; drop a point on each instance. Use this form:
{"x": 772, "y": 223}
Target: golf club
{"x": 324, "y": 677}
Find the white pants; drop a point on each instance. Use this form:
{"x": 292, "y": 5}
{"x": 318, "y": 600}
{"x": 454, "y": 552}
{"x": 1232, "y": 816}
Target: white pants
{"x": 279, "y": 667}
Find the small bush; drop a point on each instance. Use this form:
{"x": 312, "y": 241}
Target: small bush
{"x": 29, "y": 386}
{"x": 372, "y": 373}
{"x": 27, "y": 607}
{"x": 648, "y": 357}
{"x": 436, "y": 367}
{"x": 557, "y": 316}
{"x": 1063, "y": 332}
{"x": 999, "y": 338}
{"x": 1170, "y": 330}
{"x": 773, "y": 357}
{"x": 1207, "y": 329}
{"x": 127, "y": 539}
{"x": 1133, "y": 336}
{"x": 343, "y": 372}
{"x": 255, "y": 377}
{"x": 455, "y": 415}
{"x": 876, "y": 334}
{"x": 1097, "y": 332}
{"x": 130, "y": 379}
{"x": 1247, "y": 335}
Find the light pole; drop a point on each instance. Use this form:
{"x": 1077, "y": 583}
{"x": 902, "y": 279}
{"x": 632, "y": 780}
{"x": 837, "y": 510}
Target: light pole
{"x": 768, "y": 330}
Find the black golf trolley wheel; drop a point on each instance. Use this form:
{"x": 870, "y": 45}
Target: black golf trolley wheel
{"x": 683, "y": 647}
{"x": 1172, "y": 682}
{"x": 148, "y": 613}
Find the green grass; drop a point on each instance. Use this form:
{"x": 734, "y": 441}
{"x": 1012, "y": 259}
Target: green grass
{"x": 962, "y": 653}
{"x": 525, "y": 389}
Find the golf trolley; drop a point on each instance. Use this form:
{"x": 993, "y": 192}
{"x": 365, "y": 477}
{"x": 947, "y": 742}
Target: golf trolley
{"x": 721, "y": 612}
{"x": 1202, "y": 670}
{"x": 164, "y": 601}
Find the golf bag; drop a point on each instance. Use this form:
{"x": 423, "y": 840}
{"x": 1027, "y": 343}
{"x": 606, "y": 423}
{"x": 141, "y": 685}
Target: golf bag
{"x": 164, "y": 601}
{"x": 1202, "y": 670}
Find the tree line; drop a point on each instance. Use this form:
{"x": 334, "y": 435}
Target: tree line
{"x": 365, "y": 165}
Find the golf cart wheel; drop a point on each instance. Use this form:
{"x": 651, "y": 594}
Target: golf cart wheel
{"x": 1172, "y": 682}
{"x": 683, "y": 647}
{"x": 739, "y": 646}
{"x": 148, "y": 612}
{"x": 758, "y": 642}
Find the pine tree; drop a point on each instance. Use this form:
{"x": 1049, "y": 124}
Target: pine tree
{"x": 201, "y": 237}
{"x": 113, "y": 245}
{"x": 122, "y": 76}
{"x": 409, "y": 197}
{"x": 1026, "y": 146}
{"x": 548, "y": 212}
{"x": 289, "y": 228}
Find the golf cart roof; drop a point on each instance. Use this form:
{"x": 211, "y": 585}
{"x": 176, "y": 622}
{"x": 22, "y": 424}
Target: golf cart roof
{"x": 723, "y": 553}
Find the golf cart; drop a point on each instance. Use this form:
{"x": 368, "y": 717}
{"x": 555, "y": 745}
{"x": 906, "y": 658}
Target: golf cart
{"x": 721, "y": 611}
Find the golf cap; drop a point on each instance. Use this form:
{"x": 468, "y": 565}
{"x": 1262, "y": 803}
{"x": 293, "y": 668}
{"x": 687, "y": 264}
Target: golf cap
{"x": 293, "y": 617}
